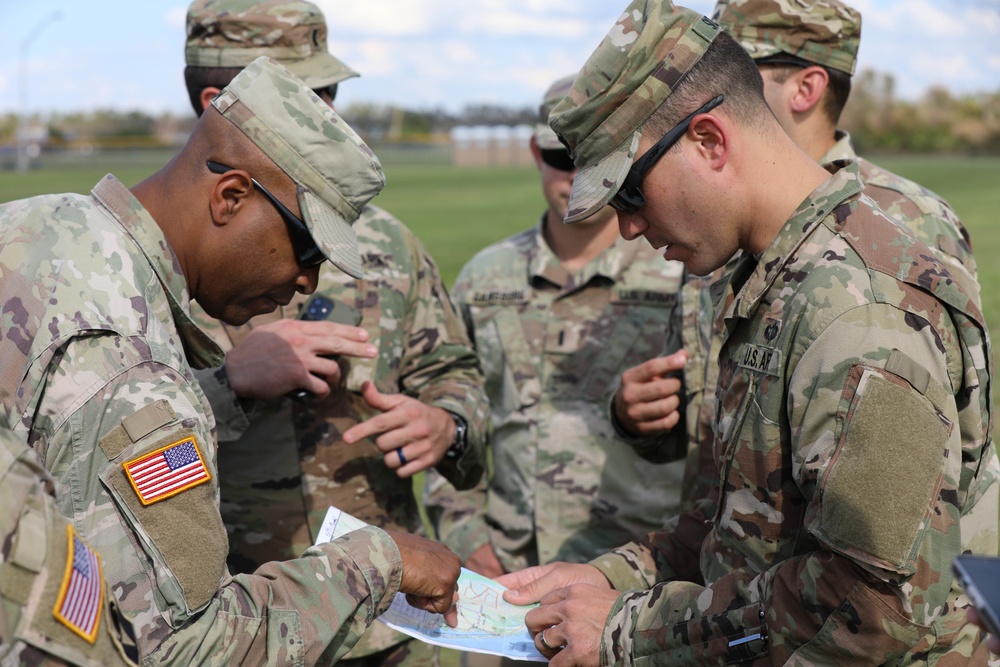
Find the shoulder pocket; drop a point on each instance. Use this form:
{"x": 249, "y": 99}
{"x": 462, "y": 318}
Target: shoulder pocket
{"x": 882, "y": 481}
{"x": 166, "y": 495}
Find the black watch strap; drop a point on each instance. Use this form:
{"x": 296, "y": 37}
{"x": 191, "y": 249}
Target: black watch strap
{"x": 461, "y": 438}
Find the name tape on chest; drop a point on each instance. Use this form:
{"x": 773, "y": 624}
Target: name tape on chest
{"x": 81, "y": 595}
{"x": 167, "y": 471}
{"x": 643, "y": 296}
{"x": 498, "y": 297}
{"x": 760, "y": 359}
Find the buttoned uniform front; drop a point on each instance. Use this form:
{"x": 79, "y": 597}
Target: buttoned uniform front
{"x": 99, "y": 347}
{"x": 284, "y": 464}
{"x": 854, "y": 456}
{"x": 553, "y": 345}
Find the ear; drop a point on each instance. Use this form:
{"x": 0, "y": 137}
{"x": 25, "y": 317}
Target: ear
{"x": 207, "y": 95}
{"x": 810, "y": 84}
{"x": 536, "y": 152}
{"x": 711, "y": 134}
{"x": 229, "y": 196}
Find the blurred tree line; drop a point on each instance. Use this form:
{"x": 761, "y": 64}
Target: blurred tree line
{"x": 937, "y": 122}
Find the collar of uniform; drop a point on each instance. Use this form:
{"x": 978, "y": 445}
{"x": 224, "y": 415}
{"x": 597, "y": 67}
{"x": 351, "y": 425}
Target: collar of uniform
{"x": 117, "y": 200}
{"x": 843, "y": 149}
{"x": 844, "y": 183}
{"x": 543, "y": 263}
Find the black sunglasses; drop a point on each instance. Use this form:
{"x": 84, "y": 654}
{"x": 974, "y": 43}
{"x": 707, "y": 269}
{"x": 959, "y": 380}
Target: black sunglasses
{"x": 307, "y": 253}
{"x": 558, "y": 158}
{"x": 330, "y": 90}
{"x": 629, "y": 197}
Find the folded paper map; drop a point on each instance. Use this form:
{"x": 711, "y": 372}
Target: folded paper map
{"x": 486, "y": 622}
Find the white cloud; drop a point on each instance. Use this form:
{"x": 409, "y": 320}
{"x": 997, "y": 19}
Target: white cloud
{"x": 931, "y": 20}
{"x": 512, "y": 23}
{"x": 381, "y": 17}
{"x": 176, "y": 17}
{"x": 992, "y": 61}
{"x": 985, "y": 20}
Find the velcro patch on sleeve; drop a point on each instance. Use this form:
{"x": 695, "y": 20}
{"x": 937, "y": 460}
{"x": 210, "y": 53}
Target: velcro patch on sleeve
{"x": 81, "y": 595}
{"x": 167, "y": 471}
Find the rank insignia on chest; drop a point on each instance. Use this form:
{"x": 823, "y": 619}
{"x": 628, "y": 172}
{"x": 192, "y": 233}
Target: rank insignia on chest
{"x": 81, "y": 595}
{"x": 761, "y": 359}
{"x": 167, "y": 471}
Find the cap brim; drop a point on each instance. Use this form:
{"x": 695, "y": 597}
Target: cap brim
{"x": 595, "y": 185}
{"x": 320, "y": 70}
{"x": 547, "y": 139}
{"x": 332, "y": 233}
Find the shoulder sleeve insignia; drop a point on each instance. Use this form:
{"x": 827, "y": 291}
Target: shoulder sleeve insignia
{"x": 167, "y": 471}
{"x": 81, "y": 595}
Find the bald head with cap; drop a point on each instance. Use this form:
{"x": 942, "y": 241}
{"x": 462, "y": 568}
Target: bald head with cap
{"x": 266, "y": 135}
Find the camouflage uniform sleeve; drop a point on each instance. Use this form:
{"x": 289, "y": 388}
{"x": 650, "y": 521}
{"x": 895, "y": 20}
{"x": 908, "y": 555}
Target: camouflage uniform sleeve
{"x": 311, "y": 610}
{"x": 458, "y": 517}
{"x": 441, "y": 368}
{"x": 232, "y": 414}
{"x": 36, "y": 626}
{"x": 876, "y": 575}
{"x": 165, "y": 553}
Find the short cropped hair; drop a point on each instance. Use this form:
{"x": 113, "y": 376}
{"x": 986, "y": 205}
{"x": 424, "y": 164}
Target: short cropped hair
{"x": 198, "y": 79}
{"x": 837, "y": 90}
{"x": 725, "y": 68}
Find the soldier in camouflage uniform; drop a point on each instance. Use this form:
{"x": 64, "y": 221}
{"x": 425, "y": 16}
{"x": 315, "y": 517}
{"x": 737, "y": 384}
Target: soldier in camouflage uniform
{"x": 806, "y": 53}
{"x": 47, "y": 618}
{"x": 852, "y": 433}
{"x": 286, "y": 461}
{"x": 98, "y": 350}
{"x": 556, "y": 313}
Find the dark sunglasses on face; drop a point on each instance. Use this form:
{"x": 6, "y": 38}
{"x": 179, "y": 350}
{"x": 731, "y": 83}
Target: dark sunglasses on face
{"x": 330, "y": 90}
{"x": 629, "y": 197}
{"x": 558, "y": 158}
{"x": 307, "y": 253}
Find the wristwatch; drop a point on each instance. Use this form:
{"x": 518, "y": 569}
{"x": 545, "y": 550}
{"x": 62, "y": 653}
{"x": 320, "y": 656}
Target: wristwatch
{"x": 461, "y": 438}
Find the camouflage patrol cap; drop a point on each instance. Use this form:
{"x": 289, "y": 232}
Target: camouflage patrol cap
{"x": 825, "y": 32}
{"x": 336, "y": 172}
{"x": 233, "y": 33}
{"x": 544, "y": 136}
{"x": 630, "y": 74}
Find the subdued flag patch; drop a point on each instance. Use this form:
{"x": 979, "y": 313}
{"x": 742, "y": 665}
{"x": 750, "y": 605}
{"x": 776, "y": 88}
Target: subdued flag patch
{"x": 81, "y": 596}
{"x": 167, "y": 471}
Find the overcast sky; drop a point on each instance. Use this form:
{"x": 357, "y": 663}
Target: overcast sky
{"x": 128, "y": 54}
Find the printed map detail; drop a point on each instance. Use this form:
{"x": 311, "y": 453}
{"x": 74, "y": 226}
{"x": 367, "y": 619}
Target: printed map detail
{"x": 486, "y": 622}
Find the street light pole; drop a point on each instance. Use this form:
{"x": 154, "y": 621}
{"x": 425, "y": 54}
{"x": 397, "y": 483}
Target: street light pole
{"x": 22, "y": 121}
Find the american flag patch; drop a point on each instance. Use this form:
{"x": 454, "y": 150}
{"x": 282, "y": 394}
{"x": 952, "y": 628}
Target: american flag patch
{"x": 81, "y": 596}
{"x": 167, "y": 471}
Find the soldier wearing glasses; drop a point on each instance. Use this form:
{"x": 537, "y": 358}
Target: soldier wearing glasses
{"x": 556, "y": 313}
{"x": 852, "y": 419}
{"x": 99, "y": 349}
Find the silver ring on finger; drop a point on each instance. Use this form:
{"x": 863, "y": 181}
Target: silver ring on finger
{"x": 545, "y": 644}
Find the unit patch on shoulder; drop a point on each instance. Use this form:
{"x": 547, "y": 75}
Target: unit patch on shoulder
{"x": 81, "y": 595}
{"x": 167, "y": 471}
